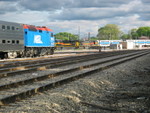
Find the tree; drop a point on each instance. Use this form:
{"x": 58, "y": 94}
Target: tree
{"x": 133, "y": 34}
{"x": 143, "y": 31}
{"x": 125, "y": 36}
{"x": 93, "y": 38}
{"x": 66, "y": 36}
{"x": 109, "y": 32}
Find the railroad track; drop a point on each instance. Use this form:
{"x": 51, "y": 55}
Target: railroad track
{"x": 6, "y": 66}
{"x": 57, "y": 54}
{"x": 19, "y": 86}
{"x": 9, "y": 69}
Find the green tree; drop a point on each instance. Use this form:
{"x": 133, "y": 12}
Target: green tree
{"x": 125, "y": 36}
{"x": 66, "y": 36}
{"x": 133, "y": 34}
{"x": 143, "y": 31}
{"x": 109, "y": 32}
{"x": 93, "y": 38}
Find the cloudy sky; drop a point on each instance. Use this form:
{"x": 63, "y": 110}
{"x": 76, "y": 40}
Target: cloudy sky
{"x": 72, "y": 15}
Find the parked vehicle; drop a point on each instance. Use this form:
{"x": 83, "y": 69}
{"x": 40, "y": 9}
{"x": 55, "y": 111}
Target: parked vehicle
{"x": 21, "y": 40}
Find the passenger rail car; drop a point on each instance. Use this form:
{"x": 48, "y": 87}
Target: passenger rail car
{"x": 20, "y": 40}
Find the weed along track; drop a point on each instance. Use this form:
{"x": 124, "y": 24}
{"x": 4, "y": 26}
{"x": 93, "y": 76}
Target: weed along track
{"x": 27, "y": 79}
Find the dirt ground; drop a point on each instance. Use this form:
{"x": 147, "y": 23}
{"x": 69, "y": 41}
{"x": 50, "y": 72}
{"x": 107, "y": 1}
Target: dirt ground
{"x": 124, "y": 88}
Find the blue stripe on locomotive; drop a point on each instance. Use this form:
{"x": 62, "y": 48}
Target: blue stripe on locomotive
{"x": 38, "y": 38}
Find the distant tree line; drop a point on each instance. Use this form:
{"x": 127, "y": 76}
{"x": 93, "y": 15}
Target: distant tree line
{"x": 109, "y": 32}
{"x": 137, "y": 33}
{"x": 66, "y": 36}
{"x": 113, "y": 32}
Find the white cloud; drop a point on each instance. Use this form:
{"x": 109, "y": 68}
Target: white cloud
{"x": 67, "y": 16}
{"x": 27, "y": 17}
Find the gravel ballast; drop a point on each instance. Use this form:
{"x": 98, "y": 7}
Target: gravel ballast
{"x": 124, "y": 88}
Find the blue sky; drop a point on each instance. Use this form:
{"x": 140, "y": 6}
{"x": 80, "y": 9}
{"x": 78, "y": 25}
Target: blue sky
{"x": 69, "y": 15}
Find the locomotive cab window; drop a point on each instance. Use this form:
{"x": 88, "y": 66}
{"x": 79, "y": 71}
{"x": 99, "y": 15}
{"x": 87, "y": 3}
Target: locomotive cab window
{"x": 51, "y": 34}
{"x": 32, "y": 28}
{"x": 40, "y": 31}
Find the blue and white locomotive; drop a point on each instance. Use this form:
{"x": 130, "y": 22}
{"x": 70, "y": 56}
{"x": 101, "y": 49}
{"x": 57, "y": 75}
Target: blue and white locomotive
{"x": 21, "y": 40}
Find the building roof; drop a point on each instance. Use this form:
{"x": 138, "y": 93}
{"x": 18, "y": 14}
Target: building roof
{"x": 143, "y": 38}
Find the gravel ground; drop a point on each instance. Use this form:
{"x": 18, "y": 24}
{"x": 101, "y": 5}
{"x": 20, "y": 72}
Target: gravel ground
{"x": 122, "y": 89}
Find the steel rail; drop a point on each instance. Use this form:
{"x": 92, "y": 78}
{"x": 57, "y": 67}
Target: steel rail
{"x": 45, "y": 64}
{"x": 52, "y": 79}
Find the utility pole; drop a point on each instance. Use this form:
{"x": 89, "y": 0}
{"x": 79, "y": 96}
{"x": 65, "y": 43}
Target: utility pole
{"x": 79, "y": 32}
{"x": 88, "y": 35}
{"x": 68, "y": 37}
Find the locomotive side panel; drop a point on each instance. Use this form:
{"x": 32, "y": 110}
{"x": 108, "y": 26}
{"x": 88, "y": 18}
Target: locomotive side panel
{"x": 11, "y": 36}
{"x": 38, "y": 41}
{"x": 37, "y": 37}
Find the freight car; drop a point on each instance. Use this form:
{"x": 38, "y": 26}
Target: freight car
{"x": 66, "y": 44}
{"x": 21, "y": 40}
{"x": 75, "y": 44}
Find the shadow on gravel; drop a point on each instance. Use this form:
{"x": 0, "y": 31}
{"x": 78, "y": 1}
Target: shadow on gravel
{"x": 132, "y": 96}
